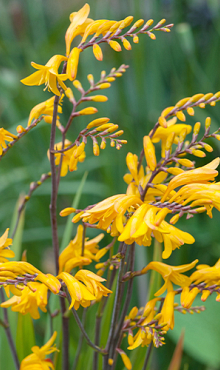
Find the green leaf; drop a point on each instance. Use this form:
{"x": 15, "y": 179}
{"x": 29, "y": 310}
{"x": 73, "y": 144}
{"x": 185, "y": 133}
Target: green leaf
{"x": 25, "y": 338}
{"x": 17, "y": 241}
{"x": 202, "y": 332}
{"x": 69, "y": 225}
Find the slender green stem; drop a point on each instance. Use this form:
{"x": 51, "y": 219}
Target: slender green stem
{"x": 128, "y": 294}
{"x": 149, "y": 350}
{"x": 96, "y": 348}
{"x": 53, "y": 216}
{"x": 8, "y": 333}
{"x": 53, "y": 204}
{"x": 116, "y": 310}
{"x": 19, "y": 136}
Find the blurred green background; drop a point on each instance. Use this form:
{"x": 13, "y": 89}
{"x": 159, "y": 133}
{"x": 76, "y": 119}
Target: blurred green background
{"x": 176, "y": 65}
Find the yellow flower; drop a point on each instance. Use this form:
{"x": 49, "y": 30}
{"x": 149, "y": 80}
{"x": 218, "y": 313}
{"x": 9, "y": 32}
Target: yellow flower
{"x": 137, "y": 177}
{"x": 29, "y": 300}
{"x": 45, "y": 107}
{"x": 144, "y": 336}
{"x": 149, "y": 151}
{"x": 37, "y": 360}
{"x": 5, "y": 136}
{"x": 201, "y": 174}
{"x": 79, "y": 294}
{"x": 148, "y": 220}
{"x": 72, "y": 64}
{"x": 167, "y": 312}
{"x": 70, "y": 157}
{"x": 163, "y": 133}
{"x": 79, "y": 21}
{"x": 5, "y": 252}
{"x": 188, "y": 295}
{"x": 136, "y": 221}
{"x": 171, "y": 274}
{"x": 72, "y": 254}
{"x": 207, "y": 195}
{"x": 207, "y": 274}
{"x": 93, "y": 283}
{"x": 109, "y": 210}
{"x": 48, "y": 74}
{"x": 13, "y": 269}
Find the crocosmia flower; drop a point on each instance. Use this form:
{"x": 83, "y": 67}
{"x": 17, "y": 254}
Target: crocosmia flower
{"x": 37, "y": 360}
{"x": 48, "y": 75}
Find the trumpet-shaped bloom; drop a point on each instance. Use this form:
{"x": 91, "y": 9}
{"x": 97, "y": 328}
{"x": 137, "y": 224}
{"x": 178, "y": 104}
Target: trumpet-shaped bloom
{"x": 72, "y": 254}
{"x": 45, "y": 107}
{"x": 171, "y": 274}
{"x": 149, "y": 152}
{"x": 148, "y": 220}
{"x": 5, "y": 252}
{"x": 79, "y": 294}
{"x": 167, "y": 312}
{"x": 13, "y": 269}
{"x": 109, "y": 210}
{"x": 48, "y": 75}
{"x": 79, "y": 21}
{"x": 206, "y": 274}
{"x": 135, "y": 221}
{"x": 138, "y": 178}
{"x": 29, "y": 300}
{"x": 207, "y": 195}
{"x": 5, "y": 136}
{"x": 163, "y": 133}
{"x": 93, "y": 283}
{"x": 201, "y": 174}
{"x": 144, "y": 336}
{"x": 37, "y": 360}
{"x": 70, "y": 158}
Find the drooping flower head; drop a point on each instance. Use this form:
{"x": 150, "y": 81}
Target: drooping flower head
{"x": 37, "y": 360}
{"x": 29, "y": 300}
{"x": 72, "y": 254}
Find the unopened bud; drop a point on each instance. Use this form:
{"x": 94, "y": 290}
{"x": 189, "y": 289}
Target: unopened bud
{"x": 135, "y": 39}
{"x": 196, "y": 128}
{"x": 88, "y": 110}
{"x": 96, "y": 149}
{"x": 103, "y": 86}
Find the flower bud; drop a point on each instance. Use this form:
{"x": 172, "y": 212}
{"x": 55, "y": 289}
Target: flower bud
{"x": 97, "y": 51}
{"x": 88, "y": 110}
{"x": 115, "y": 45}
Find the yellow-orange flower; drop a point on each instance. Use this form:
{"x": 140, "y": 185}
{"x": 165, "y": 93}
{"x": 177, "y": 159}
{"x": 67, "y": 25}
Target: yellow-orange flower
{"x": 13, "y": 269}
{"x": 45, "y": 107}
{"x": 197, "y": 175}
{"x": 163, "y": 133}
{"x": 79, "y": 21}
{"x": 70, "y": 158}
{"x": 133, "y": 220}
{"x": 171, "y": 274}
{"x": 144, "y": 336}
{"x": 29, "y": 300}
{"x": 5, "y": 252}
{"x": 5, "y": 136}
{"x": 37, "y": 360}
{"x": 93, "y": 283}
{"x": 72, "y": 254}
{"x": 149, "y": 151}
{"x": 79, "y": 294}
{"x": 48, "y": 74}
{"x": 167, "y": 312}
{"x": 138, "y": 178}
